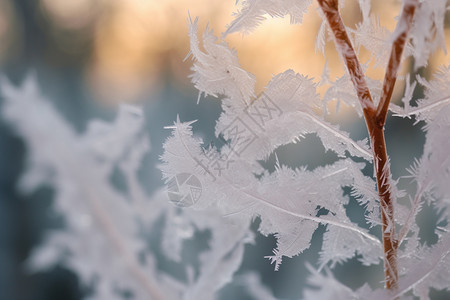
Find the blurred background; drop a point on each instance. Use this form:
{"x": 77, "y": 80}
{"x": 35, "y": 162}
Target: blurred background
{"x": 91, "y": 55}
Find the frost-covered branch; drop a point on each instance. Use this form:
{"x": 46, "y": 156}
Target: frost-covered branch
{"x": 430, "y": 268}
{"x": 97, "y": 216}
{"x": 330, "y": 8}
{"x": 375, "y": 118}
{"x": 401, "y": 34}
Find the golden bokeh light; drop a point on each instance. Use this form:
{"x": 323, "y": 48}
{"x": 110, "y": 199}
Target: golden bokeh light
{"x": 72, "y": 14}
{"x": 10, "y": 30}
{"x": 138, "y": 44}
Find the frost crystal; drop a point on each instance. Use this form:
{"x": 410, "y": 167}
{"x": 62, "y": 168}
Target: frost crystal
{"x": 222, "y": 189}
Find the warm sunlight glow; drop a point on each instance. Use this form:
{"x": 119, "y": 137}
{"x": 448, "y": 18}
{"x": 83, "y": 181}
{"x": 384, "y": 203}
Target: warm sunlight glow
{"x": 9, "y": 29}
{"x": 140, "y": 43}
{"x": 72, "y": 14}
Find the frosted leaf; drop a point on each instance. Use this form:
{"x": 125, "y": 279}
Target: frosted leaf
{"x": 406, "y": 100}
{"x": 365, "y": 6}
{"x": 223, "y": 189}
{"x": 437, "y": 97}
{"x": 286, "y": 111}
{"x": 253, "y": 11}
{"x": 326, "y": 287}
{"x": 375, "y": 38}
{"x": 428, "y": 267}
{"x": 342, "y": 91}
{"x": 427, "y": 33}
{"x": 97, "y": 216}
{"x": 339, "y": 246}
{"x": 110, "y": 141}
{"x": 225, "y": 255}
{"x": 217, "y": 70}
{"x": 432, "y": 171}
{"x": 41, "y": 117}
{"x": 287, "y": 201}
{"x": 436, "y": 159}
{"x": 103, "y": 237}
{"x": 225, "y": 246}
{"x": 177, "y": 229}
{"x": 364, "y": 190}
{"x": 296, "y": 240}
{"x": 433, "y": 271}
{"x": 321, "y": 37}
{"x": 425, "y": 267}
{"x": 255, "y": 287}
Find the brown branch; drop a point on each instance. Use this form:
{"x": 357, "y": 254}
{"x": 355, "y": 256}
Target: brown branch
{"x": 382, "y": 171}
{"x": 401, "y": 31}
{"x": 375, "y": 118}
{"x": 331, "y": 10}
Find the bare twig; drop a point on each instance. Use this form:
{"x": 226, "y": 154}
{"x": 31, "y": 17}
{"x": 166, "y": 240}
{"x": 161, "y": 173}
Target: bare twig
{"x": 376, "y": 118}
{"x": 401, "y": 32}
{"x": 345, "y": 48}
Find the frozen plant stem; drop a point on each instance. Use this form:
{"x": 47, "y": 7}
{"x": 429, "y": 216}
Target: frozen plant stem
{"x": 376, "y": 117}
{"x": 116, "y": 239}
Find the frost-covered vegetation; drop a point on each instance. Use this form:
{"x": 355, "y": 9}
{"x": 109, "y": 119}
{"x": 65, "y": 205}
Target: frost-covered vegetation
{"x": 224, "y": 189}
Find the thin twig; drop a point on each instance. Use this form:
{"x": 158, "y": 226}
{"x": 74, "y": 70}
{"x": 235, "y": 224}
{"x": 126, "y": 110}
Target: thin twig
{"x": 401, "y": 32}
{"x": 375, "y": 118}
{"x": 330, "y": 8}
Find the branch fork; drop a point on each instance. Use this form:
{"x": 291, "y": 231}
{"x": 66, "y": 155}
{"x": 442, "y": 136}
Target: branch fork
{"x": 375, "y": 117}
